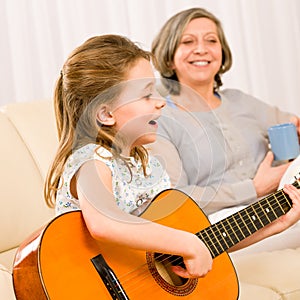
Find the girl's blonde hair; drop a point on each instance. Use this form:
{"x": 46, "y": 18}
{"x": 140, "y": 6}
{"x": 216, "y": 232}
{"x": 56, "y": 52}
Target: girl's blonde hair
{"x": 91, "y": 76}
{"x": 167, "y": 41}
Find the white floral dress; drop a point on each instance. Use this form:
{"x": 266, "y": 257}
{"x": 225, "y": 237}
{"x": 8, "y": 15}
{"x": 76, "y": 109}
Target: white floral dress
{"x": 130, "y": 190}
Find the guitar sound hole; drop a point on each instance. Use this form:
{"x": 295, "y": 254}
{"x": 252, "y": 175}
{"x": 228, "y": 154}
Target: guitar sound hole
{"x": 160, "y": 267}
{"x": 163, "y": 264}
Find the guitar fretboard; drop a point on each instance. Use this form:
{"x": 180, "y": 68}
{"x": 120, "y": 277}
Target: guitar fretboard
{"x": 226, "y": 233}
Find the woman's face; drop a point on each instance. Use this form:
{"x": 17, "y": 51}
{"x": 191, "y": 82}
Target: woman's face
{"x": 198, "y": 57}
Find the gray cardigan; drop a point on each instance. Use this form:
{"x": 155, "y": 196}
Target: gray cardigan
{"x": 214, "y": 155}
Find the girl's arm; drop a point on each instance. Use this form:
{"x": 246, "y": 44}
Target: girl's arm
{"x": 107, "y": 223}
{"x": 279, "y": 225}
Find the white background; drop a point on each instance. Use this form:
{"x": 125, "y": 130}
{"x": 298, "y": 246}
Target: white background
{"x": 38, "y": 35}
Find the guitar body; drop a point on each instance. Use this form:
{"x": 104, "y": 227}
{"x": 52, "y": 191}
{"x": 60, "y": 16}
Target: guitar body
{"x": 55, "y": 262}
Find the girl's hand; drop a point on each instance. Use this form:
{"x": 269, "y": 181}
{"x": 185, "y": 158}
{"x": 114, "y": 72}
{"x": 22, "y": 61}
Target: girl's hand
{"x": 198, "y": 264}
{"x": 293, "y": 215}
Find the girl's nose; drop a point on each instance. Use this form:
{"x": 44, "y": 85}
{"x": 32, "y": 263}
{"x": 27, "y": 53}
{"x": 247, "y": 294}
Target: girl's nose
{"x": 160, "y": 103}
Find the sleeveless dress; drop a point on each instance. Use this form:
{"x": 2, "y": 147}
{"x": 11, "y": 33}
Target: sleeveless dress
{"x": 131, "y": 190}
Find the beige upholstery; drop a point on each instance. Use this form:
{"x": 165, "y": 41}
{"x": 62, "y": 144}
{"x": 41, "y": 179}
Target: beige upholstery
{"x": 278, "y": 270}
{"x": 28, "y": 143}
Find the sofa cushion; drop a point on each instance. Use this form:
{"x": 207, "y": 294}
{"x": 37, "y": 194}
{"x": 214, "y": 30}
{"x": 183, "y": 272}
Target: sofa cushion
{"x": 255, "y": 292}
{"x": 6, "y": 285}
{"x": 247, "y": 291}
{"x": 276, "y": 270}
{"x": 29, "y": 143}
{"x": 35, "y": 123}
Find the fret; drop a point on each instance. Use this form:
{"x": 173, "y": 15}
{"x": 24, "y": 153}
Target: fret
{"x": 287, "y": 204}
{"x": 248, "y": 223}
{"x": 208, "y": 242}
{"x": 226, "y": 235}
{"x": 231, "y": 230}
{"x": 239, "y": 226}
{"x": 244, "y": 222}
{"x": 250, "y": 217}
{"x": 265, "y": 211}
{"x": 222, "y": 235}
{"x": 216, "y": 243}
{"x": 261, "y": 217}
{"x": 255, "y": 217}
{"x": 296, "y": 183}
{"x": 280, "y": 207}
{"x": 269, "y": 208}
{"x": 218, "y": 237}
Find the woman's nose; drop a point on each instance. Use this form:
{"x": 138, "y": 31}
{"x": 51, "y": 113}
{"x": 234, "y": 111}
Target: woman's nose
{"x": 200, "y": 48}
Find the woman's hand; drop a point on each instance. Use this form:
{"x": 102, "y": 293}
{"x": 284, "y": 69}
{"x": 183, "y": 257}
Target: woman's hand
{"x": 296, "y": 121}
{"x": 267, "y": 178}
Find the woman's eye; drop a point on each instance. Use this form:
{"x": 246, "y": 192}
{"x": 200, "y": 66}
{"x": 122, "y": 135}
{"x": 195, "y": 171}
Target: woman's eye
{"x": 148, "y": 96}
{"x": 187, "y": 42}
{"x": 212, "y": 39}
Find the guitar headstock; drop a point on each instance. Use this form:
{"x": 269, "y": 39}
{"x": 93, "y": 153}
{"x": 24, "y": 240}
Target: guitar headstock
{"x": 297, "y": 180}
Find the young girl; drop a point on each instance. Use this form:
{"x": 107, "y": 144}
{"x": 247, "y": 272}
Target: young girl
{"x": 106, "y": 110}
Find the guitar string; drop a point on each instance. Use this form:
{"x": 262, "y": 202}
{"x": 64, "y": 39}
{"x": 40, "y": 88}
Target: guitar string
{"x": 235, "y": 226}
{"x": 274, "y": 199}
{"x": 238, "y": 228}
{"x": 146, "y": 270}
{"x": 279, "y": 199}
{"x": 244, "y": 230}
{"x": 141, "y": 279}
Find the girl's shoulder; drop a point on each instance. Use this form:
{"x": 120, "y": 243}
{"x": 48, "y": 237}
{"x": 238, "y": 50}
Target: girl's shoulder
{"x": 86, "y": 153}
{"x": 90, "y": 151}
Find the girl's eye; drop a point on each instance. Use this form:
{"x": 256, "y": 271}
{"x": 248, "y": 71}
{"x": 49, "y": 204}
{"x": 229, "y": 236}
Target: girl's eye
{"x": 148, "y": 96}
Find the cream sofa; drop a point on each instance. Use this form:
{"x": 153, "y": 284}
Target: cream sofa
{"x": 28, "y": 143}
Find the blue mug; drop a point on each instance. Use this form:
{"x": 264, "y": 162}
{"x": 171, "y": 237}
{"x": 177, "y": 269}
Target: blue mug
{"x": 284, "y": 141}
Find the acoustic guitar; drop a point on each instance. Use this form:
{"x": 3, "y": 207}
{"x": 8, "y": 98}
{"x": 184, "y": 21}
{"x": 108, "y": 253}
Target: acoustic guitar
{"x": 61, "y": 261}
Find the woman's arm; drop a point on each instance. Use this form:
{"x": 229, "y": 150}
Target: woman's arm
{"x": 209, "y": 198}
{"x": 217, "y": 197}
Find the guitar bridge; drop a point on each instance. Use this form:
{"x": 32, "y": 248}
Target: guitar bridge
{"x": 109, "y": 278}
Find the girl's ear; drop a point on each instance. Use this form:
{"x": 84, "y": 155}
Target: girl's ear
{"x": 105, "y": 117}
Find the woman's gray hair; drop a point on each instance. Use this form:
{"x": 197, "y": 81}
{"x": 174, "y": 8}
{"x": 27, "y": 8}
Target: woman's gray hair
{"x": 166, "y": 43}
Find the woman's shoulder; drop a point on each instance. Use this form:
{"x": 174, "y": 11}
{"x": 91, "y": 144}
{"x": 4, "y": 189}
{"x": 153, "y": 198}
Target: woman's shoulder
{"x": 236, "y": 97}
{"x": 235, "y": 94}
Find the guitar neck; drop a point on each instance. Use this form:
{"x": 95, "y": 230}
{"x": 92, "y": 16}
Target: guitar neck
{"x": 224, "y": 234}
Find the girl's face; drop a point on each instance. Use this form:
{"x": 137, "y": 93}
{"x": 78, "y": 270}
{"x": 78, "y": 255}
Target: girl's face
{"x": 139, "y": 106}
{"x": 198, "y": 57}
